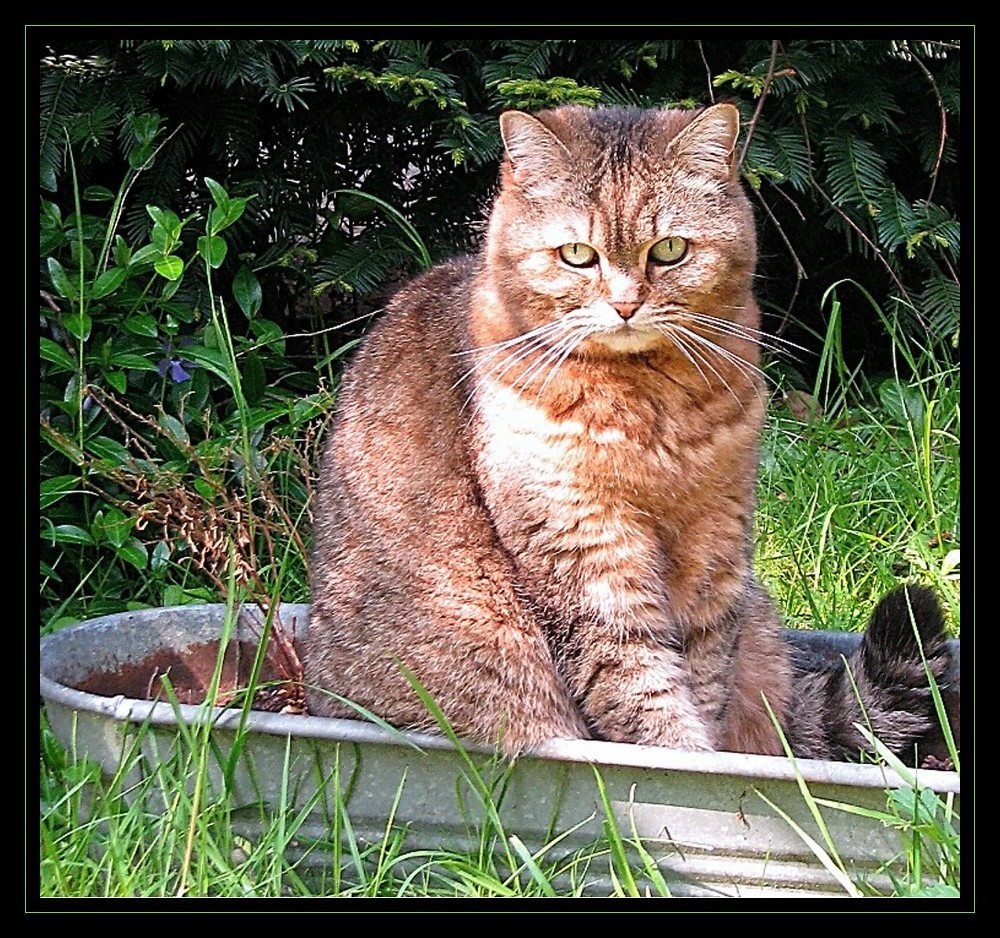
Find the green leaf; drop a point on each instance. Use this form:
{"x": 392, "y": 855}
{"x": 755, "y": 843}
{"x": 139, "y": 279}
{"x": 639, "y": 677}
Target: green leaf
{"x": 123, "y": 253}
{"x": 162, "y": 239}
{"x": 108, "y": 282}
{"x": 133, "y": 361}
{"x": 219, "y": 195}
{"x": 53, "y": 352}
{"x": 134, "y": 553}
{"x": 175, "y": 429}
{"x": 145, "y": 255}
{"x": 52, "y": 490}
{"x": 209, "y": 358}
{"x": 165, "y": 219}
{"x": 903, "y": 403}
{"x": 98, "y": 194}
{"x": 173, "y": 595}
{"x": 254, "y": 378}
{"x": 220, "y": 219}
{"x": 169, "y": 289}
{"x": 178, "y": 596}
{"x": 169, "y": 266}
{"x": 109, "y": 450}
{"x": 212, "y": 249}
{"x": 204, "y": 489}
{"x": 60, "y": 279}
{"x": 111, "y": 527}
{"x": 138, "y": 157}
{"x": 69, "y": 534}
{"x": 145, "y": 126}
{"x": 118, "y": 380}
{"x": 160, "y": 558}
{"x": 246, "y": 289}
{"x": 142, "y": 324}
{"x": 78, "y": 325}
{"x": 269, "y": 336}
{"x": 306, "y": 409}
{"x": 210, "y": 336}
{"x": 47, "y": 178}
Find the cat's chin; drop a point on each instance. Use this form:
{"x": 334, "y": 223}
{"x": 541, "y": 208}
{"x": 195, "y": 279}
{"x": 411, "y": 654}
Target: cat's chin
{"x": 626, "y": 340}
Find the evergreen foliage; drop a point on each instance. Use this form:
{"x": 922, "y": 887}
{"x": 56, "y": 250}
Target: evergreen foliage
{"x": 854, "y": 138}
{"x": 211, "y": 209}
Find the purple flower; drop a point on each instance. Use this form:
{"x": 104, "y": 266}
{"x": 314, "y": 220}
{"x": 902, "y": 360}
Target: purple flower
{"x": 174, "y": 364}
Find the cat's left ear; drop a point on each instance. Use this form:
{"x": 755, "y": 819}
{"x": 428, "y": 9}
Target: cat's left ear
{"x": 707, "y": 145}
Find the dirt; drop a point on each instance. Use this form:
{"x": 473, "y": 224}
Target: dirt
{"x": 189, "y": 673}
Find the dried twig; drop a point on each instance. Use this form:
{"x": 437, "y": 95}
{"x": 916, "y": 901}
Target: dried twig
{"x": 760, "y": 103}
{"x": 708, "y": 72}
{"x": 800, "y": 271}
{"x": 206, "y": 525}
{"x": 853, "y": 225}
{"x": 944, "y": 125}
{"x": 50, "y": 301}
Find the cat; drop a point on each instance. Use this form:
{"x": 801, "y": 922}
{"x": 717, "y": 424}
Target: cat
{"x": 538, "y": 490}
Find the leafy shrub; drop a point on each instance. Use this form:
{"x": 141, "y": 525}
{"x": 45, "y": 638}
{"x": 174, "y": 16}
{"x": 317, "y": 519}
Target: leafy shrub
{"x": 187, "y": 327}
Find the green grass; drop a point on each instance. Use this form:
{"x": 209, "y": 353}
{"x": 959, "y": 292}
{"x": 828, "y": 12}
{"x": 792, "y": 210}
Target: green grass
{"x": 161, "y": 827}
{"x": 865, "y": 495}
{"x": 851, "y": 502}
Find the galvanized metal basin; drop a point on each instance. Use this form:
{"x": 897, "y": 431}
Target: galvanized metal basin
{"x": 704, "y": 817}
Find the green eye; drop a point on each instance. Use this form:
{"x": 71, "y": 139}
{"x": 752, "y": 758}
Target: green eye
{"x": 668, "y": 250}
{"x": 578, "y": 255}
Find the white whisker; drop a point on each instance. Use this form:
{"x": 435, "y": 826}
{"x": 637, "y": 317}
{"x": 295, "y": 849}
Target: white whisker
{"x": 523, "y": 344}
{"x": 549, "y": 345}
{"x": 727, "y": 327}
{"x": 748, "y": 369}
{"x": 572, "y": 341}
{"x": 696, "y": 345}
{"x": 679, "y": 344}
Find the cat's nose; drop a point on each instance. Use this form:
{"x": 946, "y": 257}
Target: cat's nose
{"x": 626, "y": 310}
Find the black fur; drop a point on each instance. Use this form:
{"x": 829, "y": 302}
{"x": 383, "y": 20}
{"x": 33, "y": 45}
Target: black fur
{"x": 889, "y": 694}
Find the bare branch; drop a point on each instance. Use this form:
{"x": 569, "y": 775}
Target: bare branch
{"x": 708, "y": 72}
{"x": 800, "y": 271}
{"x": 944, "y": 125}
{"x": 50, "y": 301}
{"x": 760, "y": 103}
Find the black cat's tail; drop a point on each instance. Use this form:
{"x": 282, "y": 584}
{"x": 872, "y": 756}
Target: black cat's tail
{"x": 887, "y": 690}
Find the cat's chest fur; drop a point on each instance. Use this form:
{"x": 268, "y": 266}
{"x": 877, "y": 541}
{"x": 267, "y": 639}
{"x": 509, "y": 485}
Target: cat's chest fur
{"x": 604, "y": 496}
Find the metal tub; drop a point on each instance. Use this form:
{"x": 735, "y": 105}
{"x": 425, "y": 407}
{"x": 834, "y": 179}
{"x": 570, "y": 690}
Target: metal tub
{"x": 704, "y": 817}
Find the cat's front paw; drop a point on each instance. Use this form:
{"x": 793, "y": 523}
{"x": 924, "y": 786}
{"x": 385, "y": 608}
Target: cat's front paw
{"x": 665, "y": 727}
{"x": 691, "y": 735}
{"x": 517, "y": 739}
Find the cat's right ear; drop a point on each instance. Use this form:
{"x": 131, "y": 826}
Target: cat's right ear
{"x": 539, "y": 163}
{"x": 706, "y": 147}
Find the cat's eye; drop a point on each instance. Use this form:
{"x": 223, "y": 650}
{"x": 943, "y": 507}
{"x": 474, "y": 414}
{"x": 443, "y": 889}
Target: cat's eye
{"x": 668, "y": 250}
{"x": 578, "y": 254}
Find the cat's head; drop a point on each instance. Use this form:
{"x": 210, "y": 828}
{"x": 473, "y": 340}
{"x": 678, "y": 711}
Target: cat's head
{"x": 616, "y": 229}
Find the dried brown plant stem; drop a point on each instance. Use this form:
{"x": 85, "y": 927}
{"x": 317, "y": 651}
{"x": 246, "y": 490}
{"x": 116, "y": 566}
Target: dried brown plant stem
{"x": 854, "y": 226}
{"x": 708, "y": 72}
{"x": 943, "y": 137}
{"x": 760, "y": 102}
{"x": 800, "y": 271}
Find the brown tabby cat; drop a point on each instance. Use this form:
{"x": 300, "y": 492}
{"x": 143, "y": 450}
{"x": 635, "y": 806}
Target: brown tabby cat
{"x": 539, "y": 487}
